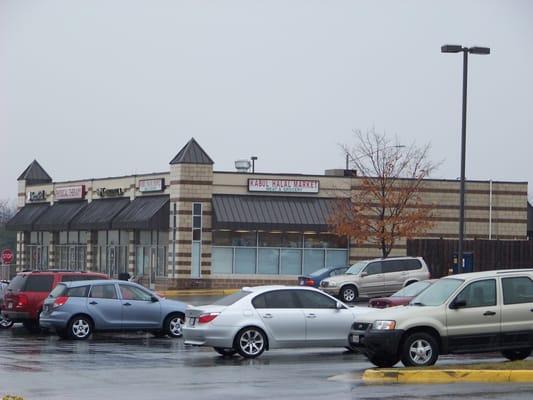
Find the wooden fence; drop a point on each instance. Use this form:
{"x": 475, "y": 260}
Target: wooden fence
{"x": 488, "y": 254}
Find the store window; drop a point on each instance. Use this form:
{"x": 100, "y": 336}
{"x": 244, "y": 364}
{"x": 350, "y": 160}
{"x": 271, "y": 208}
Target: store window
{"x": 276, "y": 253}
{"x": 196, "y": 239}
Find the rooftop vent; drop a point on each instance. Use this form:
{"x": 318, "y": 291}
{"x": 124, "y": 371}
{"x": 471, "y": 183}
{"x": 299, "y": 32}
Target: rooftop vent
{"x": 243, "y": 165}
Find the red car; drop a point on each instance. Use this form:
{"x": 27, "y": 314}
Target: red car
{"x": 24, "y": 297}
{"x": 402, "y": 296}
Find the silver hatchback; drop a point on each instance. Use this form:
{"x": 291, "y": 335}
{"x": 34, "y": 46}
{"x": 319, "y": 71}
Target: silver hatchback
{"x": 76, "y": 309}
{"x": 266, "y": 317}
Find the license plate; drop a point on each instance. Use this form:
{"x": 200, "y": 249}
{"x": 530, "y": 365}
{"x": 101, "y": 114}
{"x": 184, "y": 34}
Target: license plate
{"x": 9, "y": 305}
{"x": 192, "y": 321}
{"x": 356, "y": 339}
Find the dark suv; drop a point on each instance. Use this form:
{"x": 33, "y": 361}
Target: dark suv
{"x": 24, "y": 297}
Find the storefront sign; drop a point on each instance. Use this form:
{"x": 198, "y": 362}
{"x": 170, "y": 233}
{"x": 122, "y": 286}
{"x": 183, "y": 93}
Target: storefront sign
{"x": 36, "y": 196}
{"x": 283, "y": 185}
{"x": 103, "y": 192}
{"x": 152, "y": 185}
{"x": 70, "y": 192}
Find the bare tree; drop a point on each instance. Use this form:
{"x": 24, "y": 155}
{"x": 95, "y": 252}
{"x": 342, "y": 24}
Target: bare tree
{"x": 7, "y": 210}
{"x": 386, "y": 205}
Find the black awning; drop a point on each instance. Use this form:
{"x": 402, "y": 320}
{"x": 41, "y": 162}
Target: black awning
{"x": 271, "y": 212}
{"x": 59, "y": 216}
{"x": 24, "y": 219}
{"x": 147, "y": 212}
{"x": 98, "y": 214}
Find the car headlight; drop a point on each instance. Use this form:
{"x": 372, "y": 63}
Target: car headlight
{"x": 331, "y": 284}
{"x": 384, "y": 325}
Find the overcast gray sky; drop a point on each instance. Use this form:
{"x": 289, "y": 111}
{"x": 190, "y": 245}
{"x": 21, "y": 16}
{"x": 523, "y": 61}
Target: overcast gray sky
{"x": 99, "y": 88}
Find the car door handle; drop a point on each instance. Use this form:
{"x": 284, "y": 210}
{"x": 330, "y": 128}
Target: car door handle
{"x": 267, "y": 315}
{"x": 92, "y": 303}
{"x": 126, "y": 304}
{"x": 489, "y": 313}
{"x": 311, "y": 315}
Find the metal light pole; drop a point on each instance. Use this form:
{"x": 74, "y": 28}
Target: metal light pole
{"x": 253, "y": 158}
{"x": 450, "y": 48}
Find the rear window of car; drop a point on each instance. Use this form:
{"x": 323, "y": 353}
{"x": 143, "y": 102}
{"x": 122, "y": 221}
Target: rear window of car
{"x": 232, "y": 298}
{"x": 39, "y": 283}
{"x": 80, "y": 291}
{"x": 58, "y": 291}
{"x": 17, "y": 283}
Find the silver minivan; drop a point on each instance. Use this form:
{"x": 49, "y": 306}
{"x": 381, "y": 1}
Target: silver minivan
{"x": 377, "y": 277}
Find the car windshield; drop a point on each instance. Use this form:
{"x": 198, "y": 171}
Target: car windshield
{"x": 437, "y": 293}
{"x": 232, "y": 298}
{"x": 356, "y": 268}
{"x": 412, "y": 290}
{"x": 319, "y": 272}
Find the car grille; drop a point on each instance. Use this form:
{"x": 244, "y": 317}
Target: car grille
{"x": 324, "y": 284}
{"x": 360, "y": 326}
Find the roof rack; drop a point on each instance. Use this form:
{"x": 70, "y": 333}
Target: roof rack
{"x": 512, "y": 271}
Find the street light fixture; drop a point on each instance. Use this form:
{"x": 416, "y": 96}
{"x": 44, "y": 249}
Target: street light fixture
{"x": 253, "y": 158}
{"x": 454, "y": 48}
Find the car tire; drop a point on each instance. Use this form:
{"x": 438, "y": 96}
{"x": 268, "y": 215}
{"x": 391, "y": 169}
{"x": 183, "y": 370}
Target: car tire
{"x": 420, "y": 349}
{"x": 349, "y": 294}
{"x": 80, "y": 328}
{"x": 225, "y": 351}
{"x": 32, "y": 326}
{"x": 173, "y": 325}
{"x": 250, "y": 342}
{"x": 517, "y": 354}
{"x": 5, "y": 323}
{"x": 382, "y": 361}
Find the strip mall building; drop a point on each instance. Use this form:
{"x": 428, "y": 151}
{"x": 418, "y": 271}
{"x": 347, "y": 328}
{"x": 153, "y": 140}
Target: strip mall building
{"x": 192, "y": 226}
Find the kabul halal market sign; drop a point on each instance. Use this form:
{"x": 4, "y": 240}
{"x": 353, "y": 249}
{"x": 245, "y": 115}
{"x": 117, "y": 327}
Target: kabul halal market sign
{"x": 283, "y": 185}
{"x": 70, "y": 192}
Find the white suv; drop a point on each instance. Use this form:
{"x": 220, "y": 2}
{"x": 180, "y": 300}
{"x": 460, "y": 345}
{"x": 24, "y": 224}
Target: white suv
{"x": 377, "y": 277}
{"x": 467, "y": 313}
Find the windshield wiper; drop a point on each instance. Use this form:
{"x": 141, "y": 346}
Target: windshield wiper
{"x": 417, "y": 303}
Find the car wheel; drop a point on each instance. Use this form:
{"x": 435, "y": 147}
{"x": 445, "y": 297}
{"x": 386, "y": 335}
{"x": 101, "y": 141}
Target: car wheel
{"x": 349, "y": 294}
{"x": 515, "y": 355}
{"x": 32, "y": 326}
{"x": 382, "y": 361}
{"x": 5, "y": 323}
{"x": 250, "y": 342}
{"x": 80, "y": 328}
{"x": 173, "y": 325}
{"x": 225, "y": 351}
{"x": 420, "y": 349}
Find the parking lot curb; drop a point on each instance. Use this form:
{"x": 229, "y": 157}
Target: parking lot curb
{"x": 407, "y": 375}
{"x": 197, "y": 292}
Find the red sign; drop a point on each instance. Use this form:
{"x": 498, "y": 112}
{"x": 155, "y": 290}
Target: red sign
{"x": 7, "y": 256}
{"x": 70, "y": 192}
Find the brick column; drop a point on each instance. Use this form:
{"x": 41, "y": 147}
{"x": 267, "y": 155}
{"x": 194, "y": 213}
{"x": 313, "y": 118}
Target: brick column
{"x": 92, "y": 239}
{"x": 52, "y": 250}
{"x": 131, "y": 252}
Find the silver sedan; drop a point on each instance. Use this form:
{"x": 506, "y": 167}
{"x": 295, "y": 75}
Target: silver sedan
{"x": 267, "y": 317}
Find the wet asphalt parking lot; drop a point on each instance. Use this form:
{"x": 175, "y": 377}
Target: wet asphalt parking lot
{"x": 138, "y": 366}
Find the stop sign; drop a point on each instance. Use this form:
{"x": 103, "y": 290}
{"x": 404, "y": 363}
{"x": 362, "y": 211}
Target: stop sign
{"x": 7, "y": 256}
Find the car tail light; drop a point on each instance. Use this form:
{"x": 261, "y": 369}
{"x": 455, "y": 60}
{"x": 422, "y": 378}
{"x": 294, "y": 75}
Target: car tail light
{"x": 205, "y": 318}
{"x": 60, "y": 301}
{"x": 21, "y": 300}
{"x": 310, "y": 282}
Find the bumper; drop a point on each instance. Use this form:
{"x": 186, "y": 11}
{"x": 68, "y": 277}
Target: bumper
{"x": 208, "y": 336}
{"x": 16, "y": 316}
{"x": 54, "y": 320}
{"x": 372, "y": 342}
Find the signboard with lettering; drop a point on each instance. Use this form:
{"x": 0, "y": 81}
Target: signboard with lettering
{"x": 104, "y": 192}
{"x": 283, "y": 185}
{"x": 39, "y": 195}
{"x": 70, "y": 192}
{"x": 152, "y": 185}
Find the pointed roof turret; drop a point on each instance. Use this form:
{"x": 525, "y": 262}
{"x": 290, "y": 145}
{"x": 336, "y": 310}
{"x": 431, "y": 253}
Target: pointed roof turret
{"x": 192, "y": 153}
{"x": 35, "y": 174}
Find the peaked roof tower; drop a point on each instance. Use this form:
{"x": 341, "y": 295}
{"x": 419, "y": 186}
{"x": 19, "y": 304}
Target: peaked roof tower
{"x": 35, "y": 174}
{"x": 192, "y": 153}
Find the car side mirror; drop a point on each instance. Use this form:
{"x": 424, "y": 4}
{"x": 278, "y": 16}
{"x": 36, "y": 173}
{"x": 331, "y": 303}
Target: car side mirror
{"x": 363, "y": 274}
{"x": 339, "y": 306}
{"x": 154, "y": 299}
{"x": 457, "y": 304}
